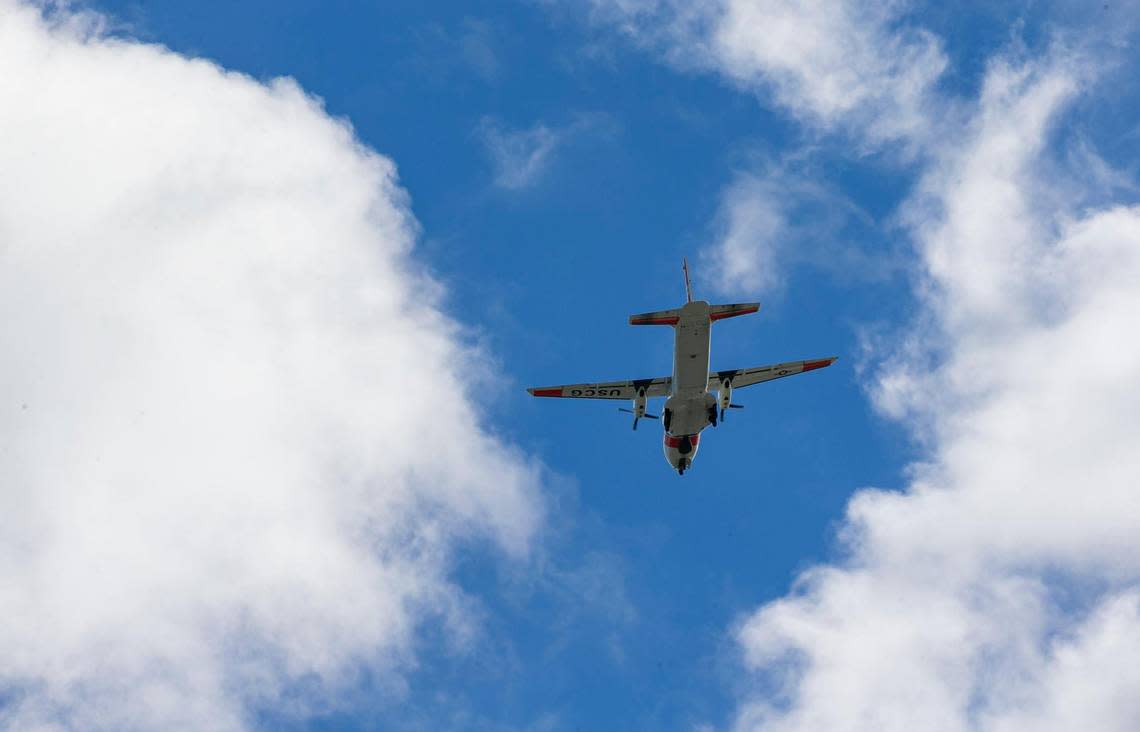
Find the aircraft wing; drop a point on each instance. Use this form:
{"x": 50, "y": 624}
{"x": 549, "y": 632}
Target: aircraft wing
{"x": 759, "y": 374}
{"x": 607, "y": 390}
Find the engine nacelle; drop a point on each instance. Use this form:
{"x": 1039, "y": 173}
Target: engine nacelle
{"x": 725, "y": 395}
{"x": 639, "y": 402}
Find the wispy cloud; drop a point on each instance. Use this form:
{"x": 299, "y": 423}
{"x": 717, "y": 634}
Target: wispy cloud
{"x": 477, "y": 45}
{"x": 832, "y": 65}
{"x": 753, "y": 223}
{"x": 853, "y": 69}
{"x": 780, "y": 216}
{"x": 470, "y": 48}
{"x": 521, "y": 156}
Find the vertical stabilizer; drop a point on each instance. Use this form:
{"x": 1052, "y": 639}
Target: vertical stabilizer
{"x": 688, "y": 284}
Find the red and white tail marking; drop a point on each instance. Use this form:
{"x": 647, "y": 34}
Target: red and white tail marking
{"x": 720, "y": 312}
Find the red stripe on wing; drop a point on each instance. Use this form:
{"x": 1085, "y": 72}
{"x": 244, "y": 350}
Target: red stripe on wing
{"x": 547, "y": 392}
{"x": 813, "y": 365}
{"x": 733, "y": 313}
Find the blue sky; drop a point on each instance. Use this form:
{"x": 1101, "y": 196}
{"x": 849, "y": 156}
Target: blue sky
{"x": 650, "y": 601}
{"x": 547, "y": 276}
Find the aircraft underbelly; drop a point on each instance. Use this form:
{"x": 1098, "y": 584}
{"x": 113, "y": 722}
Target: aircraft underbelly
{"x": 691, "y": 356}
{"x": 689, "y": 403}
{"x": 690, "y": 415}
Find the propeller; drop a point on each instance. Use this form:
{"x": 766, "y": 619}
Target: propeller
{"x": 733, "y": 406}
{"x": 635, "y": 417}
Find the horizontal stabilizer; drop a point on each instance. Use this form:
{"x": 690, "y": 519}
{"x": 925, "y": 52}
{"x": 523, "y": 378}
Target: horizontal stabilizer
{"x": 660, "y": 317}
{"x": 720, "y": 312}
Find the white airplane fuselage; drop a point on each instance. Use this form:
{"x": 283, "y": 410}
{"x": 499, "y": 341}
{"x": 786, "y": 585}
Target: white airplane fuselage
{"x": 690, "y": 407}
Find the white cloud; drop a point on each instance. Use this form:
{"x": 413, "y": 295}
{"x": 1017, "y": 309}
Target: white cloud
{"x": 237, "y": 438}
{"x": 999, "y": 590}
{"x": 781, "y": 216}
{"x": 519, "y": 157}
{"x": 849, "y": 64}
{"x": 833, "y": 62}
{"x": 856, "y": 68}
{"x": 984, "y": 595}
{"x": 753, "y": 224}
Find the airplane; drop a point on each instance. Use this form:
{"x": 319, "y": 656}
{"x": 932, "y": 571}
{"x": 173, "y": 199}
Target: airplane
{"x": 689, "y": 405}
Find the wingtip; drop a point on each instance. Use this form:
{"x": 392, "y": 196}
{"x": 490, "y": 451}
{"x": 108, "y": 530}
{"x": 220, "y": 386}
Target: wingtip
{"x": 821, "y": 363}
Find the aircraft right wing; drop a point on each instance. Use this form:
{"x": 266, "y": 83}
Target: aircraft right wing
{"x": 607, "y": 389}
{"x": 738, "y": 378}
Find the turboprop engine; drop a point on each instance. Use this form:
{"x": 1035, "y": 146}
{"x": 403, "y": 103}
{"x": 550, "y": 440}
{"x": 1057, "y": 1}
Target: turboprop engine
{"x": 638, "y": 411}
{"x": 725, "y": 398}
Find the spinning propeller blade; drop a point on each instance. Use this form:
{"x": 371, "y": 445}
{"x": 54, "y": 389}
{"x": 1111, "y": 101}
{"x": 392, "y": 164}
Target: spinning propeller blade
{"x": 733, "y": 406}
{"x": 635, "y": 417}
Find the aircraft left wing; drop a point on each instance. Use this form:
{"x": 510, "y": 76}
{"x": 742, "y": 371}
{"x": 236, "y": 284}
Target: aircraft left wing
{"x": 759, "y": 374}
{"x": 658, "y": 387}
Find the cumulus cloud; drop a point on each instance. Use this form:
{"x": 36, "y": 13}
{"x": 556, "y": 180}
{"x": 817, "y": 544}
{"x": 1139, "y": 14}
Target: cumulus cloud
{"x": 833, "y": 62}
{"x": 237, "y": 435}
{"x": 983, "y": 596}
{"x": 847, "y": 64}
{"x": 999, "y": 590}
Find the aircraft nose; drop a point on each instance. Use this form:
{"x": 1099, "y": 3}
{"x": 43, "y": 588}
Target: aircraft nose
{"x": 680, "y": 450}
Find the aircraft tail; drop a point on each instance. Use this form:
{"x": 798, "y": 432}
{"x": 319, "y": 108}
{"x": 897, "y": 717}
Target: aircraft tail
{"x": 671, "y": 317}
{"x": 716, "y": 312}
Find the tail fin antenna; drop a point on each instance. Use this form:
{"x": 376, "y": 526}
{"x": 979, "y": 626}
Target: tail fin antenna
{"x": 688, "y": 284}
